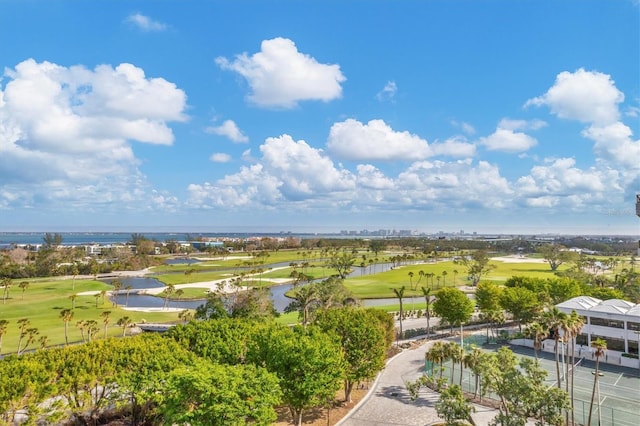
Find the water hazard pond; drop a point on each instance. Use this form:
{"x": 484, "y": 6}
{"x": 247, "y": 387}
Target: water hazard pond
{"x": 280, "y": 301}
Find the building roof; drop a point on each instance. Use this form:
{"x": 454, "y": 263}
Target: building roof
{"x": 595, "y": 306}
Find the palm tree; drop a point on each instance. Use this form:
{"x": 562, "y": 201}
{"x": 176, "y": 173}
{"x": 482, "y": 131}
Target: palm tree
{"x": 81, "y": 325}
{"x": 455, "y": 274}
{"x": 455, "y": 353}
{"x": 128, "y": 289}
{"x": 92, "y": 328}
{"x": 179, "y": 293}
{"x": 30, "y": 334}
{"x": 575, "y": 324}
{"x": 66, "y": 315}
{"x": 23, "y": 285}
{"x": 537, "y": 333}
{"x": 3, "y": 330}
{"x": 6, "y": 283}
{"x": 105, "y": 319}
{"x": 600, "y": 347}
{"x": 124, "y": 322}
{"x": 103, "y": 294}
{"x": 117, "y": 286}
{"x": 444, "y": 278}
{"x": 168, "y": 291}
{"x": 23, "y": 324}
{"x": 437, "y": 353}
{"x": 426, "y": 292}
{"x": 554, "y": 320}
{"x": 411, "y": 274}
{"x": 472, "y": 362}
{"x": 399, "y": 292}
{"x": 73, "y": 298}
{"x": 97, "y": 297}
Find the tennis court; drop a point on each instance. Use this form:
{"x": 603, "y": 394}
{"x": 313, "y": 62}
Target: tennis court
{"x": 619, "y": 387}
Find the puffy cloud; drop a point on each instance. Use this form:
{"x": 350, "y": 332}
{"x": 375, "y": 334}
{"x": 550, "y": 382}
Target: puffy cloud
{"x": 65, "y": 131}
{"x": 508, "y": 141}
{"x": 445, "y": 185}
{"x": 586, "y": 96}
{"x": 145, "y": 23}
{"x": 614, "y": 144}
{"x": 370, "y": 177}
{"x": 454, "y": 147}
{"x": 353, "y": 140}
{"x": 388, "y": 92}
{"x": 288, "y": 171}
{"x": 280, "y": 76}
{"x": 220, "y": 157}
{"x": 230, "y": 130}
{"x": 559, "y": 183}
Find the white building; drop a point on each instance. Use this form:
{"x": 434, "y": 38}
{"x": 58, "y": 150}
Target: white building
{"x": 615, "y": 321}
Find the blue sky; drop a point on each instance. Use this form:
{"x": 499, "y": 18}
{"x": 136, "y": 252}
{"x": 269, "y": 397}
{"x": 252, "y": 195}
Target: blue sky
{"x": 475, "y": 115}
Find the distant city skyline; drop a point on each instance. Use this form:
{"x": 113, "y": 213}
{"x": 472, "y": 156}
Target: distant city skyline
{"x": 320, "y": 116}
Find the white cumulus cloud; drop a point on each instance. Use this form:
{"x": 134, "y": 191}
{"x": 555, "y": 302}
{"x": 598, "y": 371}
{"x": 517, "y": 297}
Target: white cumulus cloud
{"x": 586, "y": 96}
{"x": 280, "y": 76}
{"x": 506, "y": 140}
{"x": 230, "y": 130}
{"x": 66, "y": 132}
{"x": 375, "y": 140}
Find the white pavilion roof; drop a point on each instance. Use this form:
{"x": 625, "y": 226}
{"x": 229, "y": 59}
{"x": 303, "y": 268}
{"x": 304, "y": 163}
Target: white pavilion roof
{"x": 595, "y": 306}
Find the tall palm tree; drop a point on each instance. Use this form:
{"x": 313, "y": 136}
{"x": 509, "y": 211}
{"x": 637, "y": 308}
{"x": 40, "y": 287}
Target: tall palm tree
{"x": 128, "y": 288}
{"x": 538, "y": 333}
{"x": 3, "y": 330}
{"x": 23, "y": 324}
{"x": 66, "y": 315}
{"x": 117, "y": 286}
{"x": 410, "y": 279}
{"x": 92, "y": 328}
{"x": 444, "y": 278}
{"x": 6, "y": 283}
{"x": 554, "y": 320}
{"x": 73, "y": 298}
{"x": 438, "y": 354}
{"x": 124, "y": 322}
{"x": 426, "y": 292}
{"x": 456, "y": 354}
{"x": 81, "y": 325}
{"x": 575, "y": 323}
{"x": 455, "y": 274}
{"x": 23, "y": 285}
{"x": 399, "y": 292}
{"x": 600, "y": 347}
{"x": 105, "y": 319}
{"x": 168, "y": 291}
{"x": 472, "y": 362}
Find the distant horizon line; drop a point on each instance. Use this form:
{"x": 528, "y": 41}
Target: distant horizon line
{"x": 361, "y": 232}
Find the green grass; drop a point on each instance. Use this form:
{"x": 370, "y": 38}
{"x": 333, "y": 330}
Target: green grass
{"x": 43, "y": 301}
{"x": 380, "y": 285}
{"x": 189, "y": 293}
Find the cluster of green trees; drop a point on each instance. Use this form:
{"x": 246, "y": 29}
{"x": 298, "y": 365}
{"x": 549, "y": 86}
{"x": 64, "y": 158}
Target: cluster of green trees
{"x": 518, "y": 385}
{"x": 220, "y": 372}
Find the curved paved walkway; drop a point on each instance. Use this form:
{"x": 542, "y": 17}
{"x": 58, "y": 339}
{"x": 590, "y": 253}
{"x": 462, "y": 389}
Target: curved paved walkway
{"x": 389, "y": 403}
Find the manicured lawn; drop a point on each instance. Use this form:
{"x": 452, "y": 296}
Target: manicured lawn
{"x": 380, "y": 285}
{"x": 43, "y": 301}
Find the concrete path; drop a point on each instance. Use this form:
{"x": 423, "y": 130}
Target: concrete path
{"x": 388, "y": 401}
